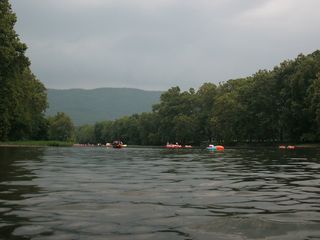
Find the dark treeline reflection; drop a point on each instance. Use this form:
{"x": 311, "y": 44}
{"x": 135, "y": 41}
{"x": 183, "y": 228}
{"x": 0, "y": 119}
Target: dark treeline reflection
{"x": 280, "y": 105}
{"x": 15, "y": 185}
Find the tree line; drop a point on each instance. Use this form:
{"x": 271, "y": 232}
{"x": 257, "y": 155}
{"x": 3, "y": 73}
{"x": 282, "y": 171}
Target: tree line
{"x": 279, "y": 105}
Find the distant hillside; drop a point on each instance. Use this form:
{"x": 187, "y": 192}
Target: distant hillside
{"x": 90, "y": 106}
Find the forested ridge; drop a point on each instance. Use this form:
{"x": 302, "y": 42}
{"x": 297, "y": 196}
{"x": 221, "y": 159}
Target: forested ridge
{"x": 278, "y": 105}
{"x": 87, "y": 106}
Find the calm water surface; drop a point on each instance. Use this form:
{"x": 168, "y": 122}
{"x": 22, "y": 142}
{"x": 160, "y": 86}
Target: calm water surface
{"x": 100, "y": 193}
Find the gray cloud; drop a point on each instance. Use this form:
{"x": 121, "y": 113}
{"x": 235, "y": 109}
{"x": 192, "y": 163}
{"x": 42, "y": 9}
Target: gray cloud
{"x": 161, "y": 43}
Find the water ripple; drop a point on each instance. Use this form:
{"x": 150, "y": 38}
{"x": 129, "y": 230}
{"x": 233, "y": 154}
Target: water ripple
{"x": 100, "y": 193}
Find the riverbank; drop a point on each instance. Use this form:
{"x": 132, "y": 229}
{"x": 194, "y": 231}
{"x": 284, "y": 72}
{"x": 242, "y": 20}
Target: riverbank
{"x": 36, "y": 144}
{"x": 69, "y": 144}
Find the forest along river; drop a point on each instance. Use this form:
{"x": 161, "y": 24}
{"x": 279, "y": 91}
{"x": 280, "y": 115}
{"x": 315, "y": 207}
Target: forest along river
{"x": 143, "y": 193}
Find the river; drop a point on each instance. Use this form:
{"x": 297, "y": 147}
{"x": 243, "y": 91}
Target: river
{"x": 145, "y": 193}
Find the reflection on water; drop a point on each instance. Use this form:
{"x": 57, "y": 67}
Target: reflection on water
{"x": 100, "y": 193}
{"x": 15, "y": 186}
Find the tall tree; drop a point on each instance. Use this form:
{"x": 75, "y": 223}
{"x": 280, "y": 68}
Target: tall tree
{"x": 85, "y": 134}
{"x": 175, "y": 109}
{"x": 22, "y": 97}
{"x": 313, "y": 100}
{"x": 206, "y": 96}
{"x": 61, "y": 128}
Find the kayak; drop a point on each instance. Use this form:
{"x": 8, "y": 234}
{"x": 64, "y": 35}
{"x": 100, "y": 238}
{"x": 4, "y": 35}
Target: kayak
{"x": 215, "y": 148}
{"x": 118, "y": 144}
{"x": 173, "y": 146}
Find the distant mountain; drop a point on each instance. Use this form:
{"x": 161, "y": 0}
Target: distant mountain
{"x": 90, "y": 106}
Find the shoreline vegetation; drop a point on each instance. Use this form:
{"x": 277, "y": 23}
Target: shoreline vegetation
{"x": 270, "y": 107}
{"x": 36, "y": 144}
{"x": 71, "y": 144}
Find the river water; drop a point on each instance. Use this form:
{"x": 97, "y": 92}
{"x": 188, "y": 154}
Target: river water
{"x": 145, "y": 193}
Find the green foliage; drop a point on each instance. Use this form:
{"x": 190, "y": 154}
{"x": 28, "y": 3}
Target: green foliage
{"x": 85, "y": 134}
{"x": 177, "y": 116}
{"x": 28, "y": 120}
{"x": 61, "y": 128}
{"x": 23, "y": 97}
{"x": 269, "y": 106}
{"x": 205, "y": 99}
{"x": 313, "y": 108}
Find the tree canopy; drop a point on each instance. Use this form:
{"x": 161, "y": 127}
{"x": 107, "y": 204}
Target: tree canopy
{"x": 22, "y": 97}
{"x": 278, "y": 105}
{"x": 61, "y": 128}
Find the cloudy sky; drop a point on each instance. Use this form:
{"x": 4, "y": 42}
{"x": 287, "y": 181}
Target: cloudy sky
{"x": 157, "y": 44}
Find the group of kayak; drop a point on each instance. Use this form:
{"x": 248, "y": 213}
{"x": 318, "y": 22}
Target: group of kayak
{"x": 291, "y": 147}
{"x": 178, "y": 146}
{"x": 211, "y": 147}
{"x": 119, "y": 144}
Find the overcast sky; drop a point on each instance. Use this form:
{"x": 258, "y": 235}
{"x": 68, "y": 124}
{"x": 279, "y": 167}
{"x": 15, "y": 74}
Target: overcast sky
{"x": 157, "y": 44}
